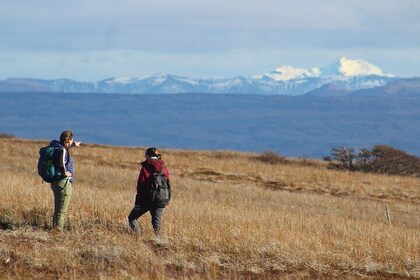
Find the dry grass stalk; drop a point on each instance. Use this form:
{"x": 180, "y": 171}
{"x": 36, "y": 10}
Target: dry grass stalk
{"x": 388, "y": 215}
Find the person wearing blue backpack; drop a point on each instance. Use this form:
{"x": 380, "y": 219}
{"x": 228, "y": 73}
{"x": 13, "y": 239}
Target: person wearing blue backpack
{"x": 61, "y": 184}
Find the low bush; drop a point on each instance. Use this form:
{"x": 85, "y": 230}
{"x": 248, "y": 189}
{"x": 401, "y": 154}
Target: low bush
{"x": 380, "y": 159}
{"x": 6, "y": 135}
{"x": 271, "y": 157}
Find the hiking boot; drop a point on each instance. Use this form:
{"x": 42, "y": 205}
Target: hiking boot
{"x": 161, "y": 240}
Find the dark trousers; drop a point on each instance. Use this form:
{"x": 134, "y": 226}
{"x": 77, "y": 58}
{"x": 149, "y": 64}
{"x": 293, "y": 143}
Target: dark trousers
{"x": 138, "y": 211}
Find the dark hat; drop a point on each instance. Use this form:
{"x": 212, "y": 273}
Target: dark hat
{"x": 152, "y": 152}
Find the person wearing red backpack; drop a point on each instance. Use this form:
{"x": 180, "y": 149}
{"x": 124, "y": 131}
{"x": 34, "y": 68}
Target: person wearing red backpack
{"x": 153, "y": 181}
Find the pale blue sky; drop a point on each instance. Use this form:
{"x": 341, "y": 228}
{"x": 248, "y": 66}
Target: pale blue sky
{"x": 92, "y": 40}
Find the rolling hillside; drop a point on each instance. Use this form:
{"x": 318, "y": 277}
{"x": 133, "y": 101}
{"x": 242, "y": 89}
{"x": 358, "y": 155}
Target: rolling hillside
{"x": 233, "y": 215}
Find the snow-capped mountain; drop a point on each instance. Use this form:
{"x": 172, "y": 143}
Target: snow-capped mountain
{"x": 343, "y": 68}
{"x": 345, "y": 75}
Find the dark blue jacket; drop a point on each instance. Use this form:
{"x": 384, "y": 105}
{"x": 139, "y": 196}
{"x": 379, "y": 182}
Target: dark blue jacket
{"x": 63, "y": 160}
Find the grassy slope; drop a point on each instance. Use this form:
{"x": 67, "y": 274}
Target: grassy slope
{"x": 231, "y": 216}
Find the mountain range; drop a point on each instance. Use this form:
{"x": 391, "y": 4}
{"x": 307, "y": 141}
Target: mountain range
{"x": 344, "y": 77}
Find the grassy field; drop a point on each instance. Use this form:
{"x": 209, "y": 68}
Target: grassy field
{"x": 232, "y": 216}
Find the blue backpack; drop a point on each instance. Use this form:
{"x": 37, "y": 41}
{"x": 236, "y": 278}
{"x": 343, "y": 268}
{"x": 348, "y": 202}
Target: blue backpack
{"x": 46, "y": 168}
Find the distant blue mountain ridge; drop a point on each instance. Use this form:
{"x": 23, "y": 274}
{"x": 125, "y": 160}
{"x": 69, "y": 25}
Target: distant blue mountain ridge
{"x": 344, "y": 77}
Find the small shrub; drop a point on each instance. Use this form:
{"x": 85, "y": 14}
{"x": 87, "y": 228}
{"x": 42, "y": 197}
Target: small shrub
{"x": 307, "y": 161}
{"x": 271, "y": 157}
{"x": 345, "y": 157}
{"x": 6, "y": 135}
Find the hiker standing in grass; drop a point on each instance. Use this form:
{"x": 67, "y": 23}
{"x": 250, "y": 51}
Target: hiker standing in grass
{"x": 62, "y": 186}
{"x": 153, "y": 191}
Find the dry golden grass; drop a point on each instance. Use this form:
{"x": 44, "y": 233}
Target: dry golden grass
{"x": 232, "y": 216}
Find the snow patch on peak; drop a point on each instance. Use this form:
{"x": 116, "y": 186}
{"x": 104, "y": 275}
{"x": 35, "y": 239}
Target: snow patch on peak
{"x": 163, "y": 77}
{"x": 358, "y": 67}
{"x": 152, "y": 76}
{"x": 285, "y": 73}
{"x": 353, "y": 67}
{"x": 121, "y": 80}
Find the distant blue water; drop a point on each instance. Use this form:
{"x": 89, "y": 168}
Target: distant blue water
{"x": 292, "y": 126}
